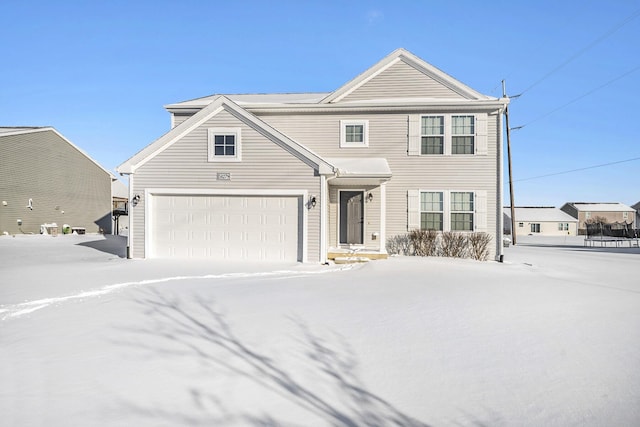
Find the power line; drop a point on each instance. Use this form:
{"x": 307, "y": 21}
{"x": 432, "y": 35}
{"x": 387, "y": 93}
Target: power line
{"x": 578, "y": 170}
{"x": 584, "y": 49}
{"x": 581, "y": 96}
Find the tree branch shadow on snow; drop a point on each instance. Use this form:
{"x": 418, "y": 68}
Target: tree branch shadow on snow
{"x": 203, "y": 333}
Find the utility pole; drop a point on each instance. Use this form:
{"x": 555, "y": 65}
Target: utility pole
{"x": 511, "y": 202}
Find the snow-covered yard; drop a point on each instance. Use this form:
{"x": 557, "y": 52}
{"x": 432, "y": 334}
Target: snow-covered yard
{"x": 550, "y": 337}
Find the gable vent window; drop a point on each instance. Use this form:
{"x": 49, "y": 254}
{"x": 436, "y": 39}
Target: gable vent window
{"x": 224, "y": 145}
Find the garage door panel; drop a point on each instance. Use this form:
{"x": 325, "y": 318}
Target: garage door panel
{"x": 262, "y": 228}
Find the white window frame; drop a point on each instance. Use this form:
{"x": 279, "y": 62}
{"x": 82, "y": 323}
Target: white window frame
{"x": 535, "y": 227}
{"x": 343, "y": 133}
{"x": 466, "y": 135}
{"x": 443, "y": 135}
{"x": 472, "y": 212}
{"x": 444, "y": 207}
{"x": 448, "y": 134}
{"x": 446, "y": 214}
{"x": 212, "y": 132}
{"x": 563, "y": 226}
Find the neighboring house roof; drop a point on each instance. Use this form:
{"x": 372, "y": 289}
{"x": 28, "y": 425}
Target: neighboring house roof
{"x": 10, "y": 131}
{"x": 222, "y": 103}
{"x": 541, "y": 214}
{"x": 600, "y": 207}
{"x": 636, "y": 206}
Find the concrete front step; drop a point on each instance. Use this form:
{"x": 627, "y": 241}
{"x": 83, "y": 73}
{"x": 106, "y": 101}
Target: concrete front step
{"x": 354, "y": 256}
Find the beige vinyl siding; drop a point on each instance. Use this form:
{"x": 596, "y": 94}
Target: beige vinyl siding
{"x": 401, "y": 80}
{"x": 44, "y": 167}
{"x": 179, "y": 118}
{"x": 388, "y": 139}
{"x": 264, "y": 165}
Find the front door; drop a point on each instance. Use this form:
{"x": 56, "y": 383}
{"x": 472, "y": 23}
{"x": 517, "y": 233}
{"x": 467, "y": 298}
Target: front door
{"x": 351, "y": 217}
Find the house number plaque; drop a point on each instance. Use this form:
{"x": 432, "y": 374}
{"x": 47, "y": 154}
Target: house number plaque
{"x": 224, "y": 176}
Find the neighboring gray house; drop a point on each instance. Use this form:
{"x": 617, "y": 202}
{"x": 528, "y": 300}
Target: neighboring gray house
{"x": 44, "y": 178}
{"x": 611, "y": 212}
{"x": 637, "y": 209}
{"x": 304, "y": 176}
{"x": 543, "y": 221}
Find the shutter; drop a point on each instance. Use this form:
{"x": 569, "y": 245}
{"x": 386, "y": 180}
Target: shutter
{"x": 481, "y": 211}
{"x": 481, "y": 134}
{"x": 413, "y": 210}
{"x": 413, "y": 135}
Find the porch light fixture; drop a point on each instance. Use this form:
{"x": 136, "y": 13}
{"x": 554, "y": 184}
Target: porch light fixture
{"x": 312, "y": 202}
{"x": 135, "y": 199}
{"x": 370, "y": 196}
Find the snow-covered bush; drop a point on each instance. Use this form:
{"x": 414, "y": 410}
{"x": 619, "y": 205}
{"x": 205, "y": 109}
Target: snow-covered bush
{"x": 454, "y": 244}
{"x": 399, "y": 245}
{"x": 478, "y": 245}
{"x": 424, "y": 242}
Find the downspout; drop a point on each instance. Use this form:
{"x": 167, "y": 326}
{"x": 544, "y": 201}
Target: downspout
{"x": 500, "y": 243}
{"x": 130, "y": 216}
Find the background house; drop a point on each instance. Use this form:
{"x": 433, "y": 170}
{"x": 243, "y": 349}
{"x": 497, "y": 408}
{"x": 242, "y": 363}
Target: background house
{"x": 44, "y": 178}
{"x": 637, "y": 208}
{"x": 544, "y": 221}
{"x": 608, "y": 212}
{"x": 120, "y": 195}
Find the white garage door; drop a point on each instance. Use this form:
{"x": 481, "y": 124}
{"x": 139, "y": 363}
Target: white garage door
{"x": 255, "y": 228}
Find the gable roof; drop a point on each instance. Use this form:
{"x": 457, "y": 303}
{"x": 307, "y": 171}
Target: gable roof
{"x": 542, "y": 214}
{"x": 222, "y": 103}
{"x": 22, "y": 130}
{"x": 600, "y": 207}
{"x": 402, "y": 55}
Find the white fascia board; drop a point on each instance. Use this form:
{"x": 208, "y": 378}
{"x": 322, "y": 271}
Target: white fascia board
{"x": 170, "y": 138}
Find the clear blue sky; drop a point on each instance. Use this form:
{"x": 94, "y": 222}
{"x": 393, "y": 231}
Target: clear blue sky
{"x": 100, "y": 72}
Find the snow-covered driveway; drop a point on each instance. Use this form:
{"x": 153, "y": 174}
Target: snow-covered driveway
{"x": 550, "y": 337}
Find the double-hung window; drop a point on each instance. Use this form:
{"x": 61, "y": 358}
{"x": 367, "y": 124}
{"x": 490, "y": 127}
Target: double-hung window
{"x": 462, "y": 135}
{"x": 431, "y": 210}
{"x": 563, "y": 226}
{"x": 462, "y": 211}
{"x": 432, "y": 135}
{"x": 224, "y": 145}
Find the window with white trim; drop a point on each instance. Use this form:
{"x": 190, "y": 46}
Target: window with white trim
{"x": 447, "y": 134}
{"x": 431, "y": 210}
{"x": 535, "y": 228}
{"x": 563, "y": 226}
{"x": 354, "y": 133}
{"x": 462, "y": 211}
{"x": 445, "y": 210}
{"x": 462, "y": 135}
{"x": 432, "y": 135}
{"x": 224, "y": 145}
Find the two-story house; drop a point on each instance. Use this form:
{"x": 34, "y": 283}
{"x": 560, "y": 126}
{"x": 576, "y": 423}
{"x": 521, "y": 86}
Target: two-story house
{"x": 298, "y": 176}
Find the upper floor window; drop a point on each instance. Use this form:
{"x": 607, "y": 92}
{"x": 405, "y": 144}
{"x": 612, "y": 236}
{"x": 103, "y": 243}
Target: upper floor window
{"x": 448, "y": 134}
{"x": 462, "y": 135}
{"x": 354, "y": 133}
{"x": 224, "y": 145}
{"x": 432, "y": 135}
